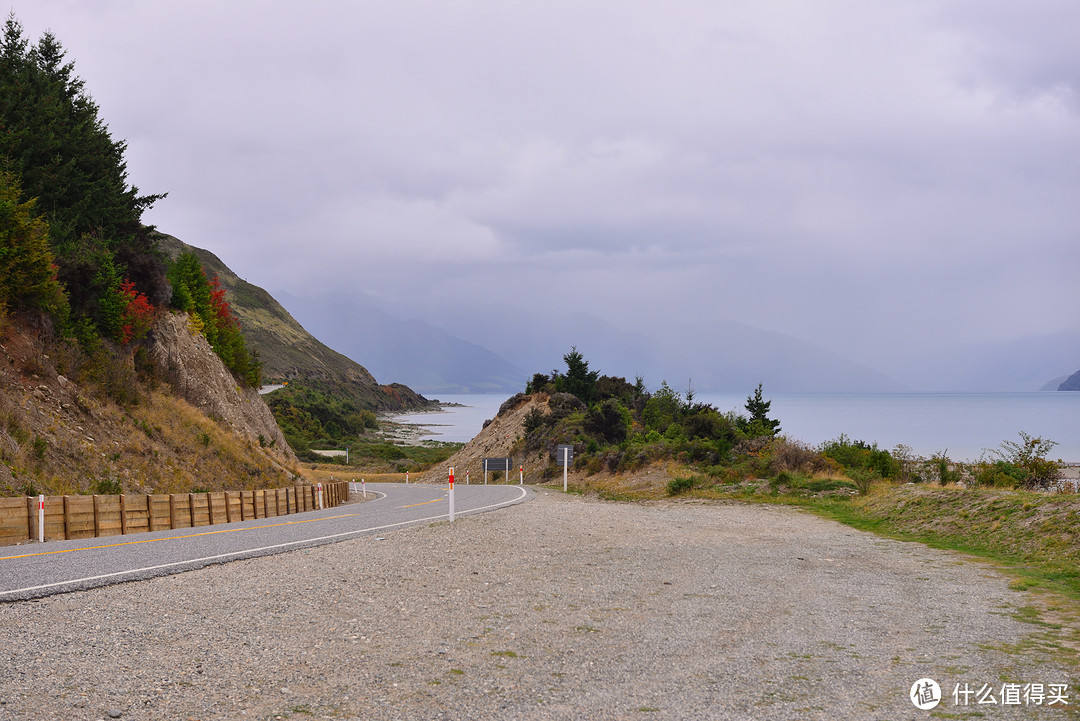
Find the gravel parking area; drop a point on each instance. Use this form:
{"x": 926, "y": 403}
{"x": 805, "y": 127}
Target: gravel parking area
{"x": 560, "y": 608}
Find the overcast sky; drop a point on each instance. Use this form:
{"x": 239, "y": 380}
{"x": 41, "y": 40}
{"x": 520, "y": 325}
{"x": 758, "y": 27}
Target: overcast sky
{"x": 869, "y": 176}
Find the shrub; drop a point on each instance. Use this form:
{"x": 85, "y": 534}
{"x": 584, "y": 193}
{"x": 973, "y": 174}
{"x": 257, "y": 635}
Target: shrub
{"x": 609, "y": 421}
{"x": 681, "y": 484}
{"x": 863, "y": 478}
{"x": 108, "y": 487}
{"x": 861, "y": 455}
{"x": 1029, "y": 454}
{"x": 792, "y": 455}
{"x": 534, "y": 419}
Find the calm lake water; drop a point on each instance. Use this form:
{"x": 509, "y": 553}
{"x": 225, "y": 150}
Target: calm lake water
{"x": 963, "y": 424}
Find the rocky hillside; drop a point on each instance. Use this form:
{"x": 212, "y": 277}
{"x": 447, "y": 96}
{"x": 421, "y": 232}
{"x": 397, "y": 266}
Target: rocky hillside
{"x": 189, "y": 365}
{"x": 290, "y": 353}
{"x": 73, "y": 424}
{"x": 1072, "y": 383}
{"x": 496, "y": 440}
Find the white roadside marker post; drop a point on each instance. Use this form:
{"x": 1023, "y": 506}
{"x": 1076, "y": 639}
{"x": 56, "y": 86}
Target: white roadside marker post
{"x": 451, "y": 495}
{"x": 320, "y": 496}
{"x": 363, "y": 486}
{"x": 565, "y": 465}
{"x": 406, "y": 477}
{"x": 466, "y": 478}
{"x": 521, "y": 475}
{"x": 41, "y": 518}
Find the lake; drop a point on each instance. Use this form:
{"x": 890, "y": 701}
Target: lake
{"x": 963, "y": 424}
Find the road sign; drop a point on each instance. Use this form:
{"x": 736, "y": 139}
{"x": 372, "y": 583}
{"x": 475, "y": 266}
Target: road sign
{"x": 564, "y": 455}
{"x": 497, "y": 464}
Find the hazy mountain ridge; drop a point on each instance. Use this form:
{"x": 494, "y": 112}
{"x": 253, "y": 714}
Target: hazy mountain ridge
{"x": 420, "y": 355}
{"x": 491, "y": 349}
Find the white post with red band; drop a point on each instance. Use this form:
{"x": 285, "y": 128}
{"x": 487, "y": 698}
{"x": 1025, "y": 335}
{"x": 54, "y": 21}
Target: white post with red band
{"x": 41, "y": 519}
{"x": 452, "y": 495}
{"x": 521, "y": 475}
{"x": 320, "y": 496}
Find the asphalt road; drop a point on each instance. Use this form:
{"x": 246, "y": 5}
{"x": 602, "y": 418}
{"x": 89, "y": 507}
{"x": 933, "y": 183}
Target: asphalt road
{"x": 36, "y": 570}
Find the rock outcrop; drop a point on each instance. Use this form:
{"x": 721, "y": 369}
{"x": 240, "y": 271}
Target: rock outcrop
{"x": 187, "y": 362}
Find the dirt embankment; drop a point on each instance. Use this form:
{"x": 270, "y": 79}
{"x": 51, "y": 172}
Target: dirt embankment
{"x": 69, "y": 423}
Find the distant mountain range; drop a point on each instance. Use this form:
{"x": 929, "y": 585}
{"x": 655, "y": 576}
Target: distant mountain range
{"x": 494, "y": 352}
{"x": 490, "y": 350}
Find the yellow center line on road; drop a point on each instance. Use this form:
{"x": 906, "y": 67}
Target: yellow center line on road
{"x": 414, "y": 505}
{"x": 177, "y": 538}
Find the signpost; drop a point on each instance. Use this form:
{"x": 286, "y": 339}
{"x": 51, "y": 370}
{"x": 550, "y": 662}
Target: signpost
{"x": 497, "y": 464}
{"x": 564, "y": 455}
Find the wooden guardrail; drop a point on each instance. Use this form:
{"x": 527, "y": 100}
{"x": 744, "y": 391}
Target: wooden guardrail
{"x": 91, "y": 516}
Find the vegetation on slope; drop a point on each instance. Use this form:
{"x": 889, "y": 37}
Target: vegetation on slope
{"x": 82, "y": 282}
{"x": 287, "y": 352}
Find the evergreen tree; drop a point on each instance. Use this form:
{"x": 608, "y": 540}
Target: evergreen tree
{"x": 578, "y": 379}
{"x": 204, "y": 300}
{"x": 27, "y": 273}
{"x": 759, "y": 423}
{"x": 53, "y": 139}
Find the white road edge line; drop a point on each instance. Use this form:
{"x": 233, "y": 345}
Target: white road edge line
{"x": 255, "y": 550}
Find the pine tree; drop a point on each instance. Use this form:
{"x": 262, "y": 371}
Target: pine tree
{"x": 578, "y": 380}
{"x": 52, "y": 138}
{"x": 759, "y": 423}
{"x": 27, "y": 273}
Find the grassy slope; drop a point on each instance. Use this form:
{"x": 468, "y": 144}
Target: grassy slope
{"x": 289, "y": 352}
{"x": 1034, "y": 535}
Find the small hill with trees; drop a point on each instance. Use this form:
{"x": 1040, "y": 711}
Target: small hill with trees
{"x": 629, "y": 441}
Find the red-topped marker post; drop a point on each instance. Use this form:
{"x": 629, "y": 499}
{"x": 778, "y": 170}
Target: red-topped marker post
{"x": 451, "y": 495}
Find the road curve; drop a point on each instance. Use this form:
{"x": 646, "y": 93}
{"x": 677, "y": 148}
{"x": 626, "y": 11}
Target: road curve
{"x": 36, "y": 570}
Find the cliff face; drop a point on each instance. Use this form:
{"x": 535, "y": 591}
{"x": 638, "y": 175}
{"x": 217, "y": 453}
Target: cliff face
{"x": 1072, "y": 383}
{"x": 187, "y": 362}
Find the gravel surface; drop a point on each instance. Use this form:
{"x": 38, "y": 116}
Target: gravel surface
{"x": 560, "y": 608}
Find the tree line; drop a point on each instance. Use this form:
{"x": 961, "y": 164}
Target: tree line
{"x": 72, "y": 242}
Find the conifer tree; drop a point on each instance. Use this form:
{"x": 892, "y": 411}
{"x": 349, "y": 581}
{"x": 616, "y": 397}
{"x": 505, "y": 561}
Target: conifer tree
{"x": 52, "y": 138}
{"x": 759, "y": 423}
{"x": 27, "y": 272}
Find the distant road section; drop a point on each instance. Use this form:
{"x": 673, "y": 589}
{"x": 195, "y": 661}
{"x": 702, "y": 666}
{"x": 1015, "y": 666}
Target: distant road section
{"x": 35, "y": 570}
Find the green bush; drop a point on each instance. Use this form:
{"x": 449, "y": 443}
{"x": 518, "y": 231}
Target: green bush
{"x": 863, "y": 478}
{"x": 681, "y": 484}
{"x": 108, "y": 487}
{"x": 859, "y": 455}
